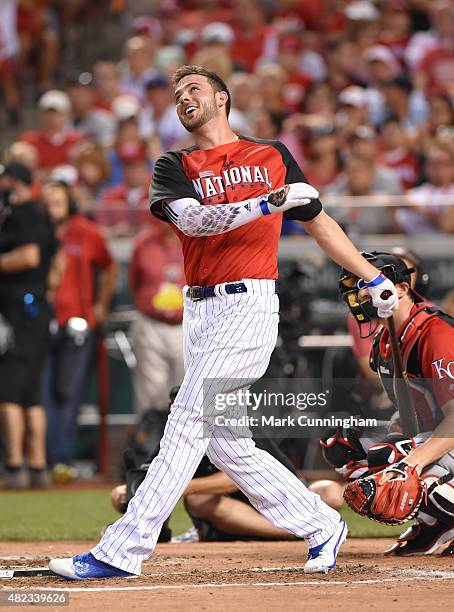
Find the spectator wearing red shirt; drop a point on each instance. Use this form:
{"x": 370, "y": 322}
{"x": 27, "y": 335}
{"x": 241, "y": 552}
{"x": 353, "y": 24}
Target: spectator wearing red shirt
{"x": 156, "y": 278}
{"x": 86, "y": 280}
{"x": 124, "y": 208}
{"x": 54, "y": 140}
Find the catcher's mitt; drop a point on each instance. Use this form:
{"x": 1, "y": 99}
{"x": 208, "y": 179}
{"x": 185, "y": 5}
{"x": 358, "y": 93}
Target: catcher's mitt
{"x": 393, "y": 502}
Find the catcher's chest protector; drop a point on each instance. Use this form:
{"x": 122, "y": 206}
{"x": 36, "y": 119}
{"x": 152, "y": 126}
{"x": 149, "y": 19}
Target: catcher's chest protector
{"x": 429, "y": 413}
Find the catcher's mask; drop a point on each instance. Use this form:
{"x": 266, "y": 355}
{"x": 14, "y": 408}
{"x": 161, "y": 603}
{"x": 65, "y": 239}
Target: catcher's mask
{"x": 361, "y": 308}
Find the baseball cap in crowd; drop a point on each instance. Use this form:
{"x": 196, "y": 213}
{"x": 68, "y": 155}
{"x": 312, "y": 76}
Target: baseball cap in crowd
{"x": 353, "y": 96}
{"x": 362, "y": 10}
{"x": 18, "y": 172}
{"x": 56, "y": 100}
{"x": 125, "y": 106}
{"x": 217, "y": 32}
{"x": 363, "y": 132}
{"x": 322, "y": 129}
{"x": 65, "y": 173}
{"x": 130, "y": 152}
{"x": 84, "y": 79}
{"x": 159, "y": 81}
{"x": 380, "y": 53}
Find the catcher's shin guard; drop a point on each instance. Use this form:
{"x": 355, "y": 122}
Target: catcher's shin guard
{"x": 440, "y": 497}
{"x": 421, "y": 539}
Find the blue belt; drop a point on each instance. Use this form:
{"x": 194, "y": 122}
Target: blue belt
{"x": 198, "y": 293}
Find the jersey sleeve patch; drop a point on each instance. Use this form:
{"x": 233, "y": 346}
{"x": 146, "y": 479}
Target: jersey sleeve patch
{"x": 294, "y": 174}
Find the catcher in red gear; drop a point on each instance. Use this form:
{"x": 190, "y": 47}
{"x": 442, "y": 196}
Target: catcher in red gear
{"x": 426, "y": 341}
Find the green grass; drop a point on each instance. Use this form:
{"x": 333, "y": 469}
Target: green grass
{"x": 80, "y": 515}
{"x": 360, "y": 527}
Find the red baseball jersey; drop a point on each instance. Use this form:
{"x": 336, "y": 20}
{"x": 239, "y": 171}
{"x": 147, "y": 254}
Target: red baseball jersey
{"x": 230, "y": 173}
{"x": 53, "y": 152}
{"x": 86, "y": 253}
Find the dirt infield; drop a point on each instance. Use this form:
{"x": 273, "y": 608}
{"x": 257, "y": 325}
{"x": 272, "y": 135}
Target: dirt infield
{"x": 245, "y": 576}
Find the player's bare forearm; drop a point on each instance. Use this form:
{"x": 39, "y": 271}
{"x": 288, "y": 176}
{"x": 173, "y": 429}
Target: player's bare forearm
{"x": 21, "y": 258}
{"x": 440, "y": 442}
{"x": 56, "y": 272}
{"x": 106, "y": 287}
{"x": 334, "y": 242}
{"x": 214, "y": 484}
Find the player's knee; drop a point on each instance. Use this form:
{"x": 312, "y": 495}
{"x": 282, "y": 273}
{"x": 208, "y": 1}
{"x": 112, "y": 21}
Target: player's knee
{"x": 201, "y": 506}
{"x": 118, "y": 498}
{"x": 221, "y": 509}
{"x": 330, "y": 492}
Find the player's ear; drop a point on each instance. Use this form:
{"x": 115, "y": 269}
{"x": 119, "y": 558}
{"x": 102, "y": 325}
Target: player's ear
{"x": 402, "y": 289}
{"x": 221, "y": 98}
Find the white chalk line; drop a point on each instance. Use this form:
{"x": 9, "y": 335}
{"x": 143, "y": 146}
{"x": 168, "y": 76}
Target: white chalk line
{"x": 410, "y": 574}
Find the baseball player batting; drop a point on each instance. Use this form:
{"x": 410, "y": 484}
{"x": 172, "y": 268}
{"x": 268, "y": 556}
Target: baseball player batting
{"x": 224, "y": 198}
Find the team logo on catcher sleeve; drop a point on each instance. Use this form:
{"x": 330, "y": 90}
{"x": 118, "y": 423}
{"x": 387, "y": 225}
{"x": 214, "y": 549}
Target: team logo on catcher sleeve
{"x": 443, "y": 370}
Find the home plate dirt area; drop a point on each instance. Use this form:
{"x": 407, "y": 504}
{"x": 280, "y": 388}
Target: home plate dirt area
{"x": 246, "y": 576}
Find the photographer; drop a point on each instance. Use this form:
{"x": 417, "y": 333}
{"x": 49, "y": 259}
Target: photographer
{"x": 27, "y": 244}
{"x": 85, "y": 282}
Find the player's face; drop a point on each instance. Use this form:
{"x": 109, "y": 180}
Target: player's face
{"x": 195, "y": 102}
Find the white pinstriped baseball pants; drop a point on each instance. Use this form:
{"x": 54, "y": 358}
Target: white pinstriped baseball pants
{"x": 227, "y": 337}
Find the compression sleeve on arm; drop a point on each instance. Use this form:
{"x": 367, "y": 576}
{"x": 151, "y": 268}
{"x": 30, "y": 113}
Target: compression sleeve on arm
{"x": 196, "y": 220}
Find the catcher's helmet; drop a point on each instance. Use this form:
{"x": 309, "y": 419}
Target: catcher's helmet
{"x": 390, "y": 265}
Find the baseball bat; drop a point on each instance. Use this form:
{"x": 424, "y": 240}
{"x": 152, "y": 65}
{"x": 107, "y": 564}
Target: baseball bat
{"x": 407, "y": 412}
{"x": 24, "y": 572}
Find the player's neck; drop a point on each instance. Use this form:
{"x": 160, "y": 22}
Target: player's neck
{"x": 214, "y": 134}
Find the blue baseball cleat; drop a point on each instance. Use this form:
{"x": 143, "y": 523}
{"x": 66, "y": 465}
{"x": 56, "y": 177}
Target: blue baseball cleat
{"x": 322, "y": 558}
{"x": 83, "y": 567}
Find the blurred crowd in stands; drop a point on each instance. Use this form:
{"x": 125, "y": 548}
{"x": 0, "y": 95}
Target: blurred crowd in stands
{"x": 360, "y": 91}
